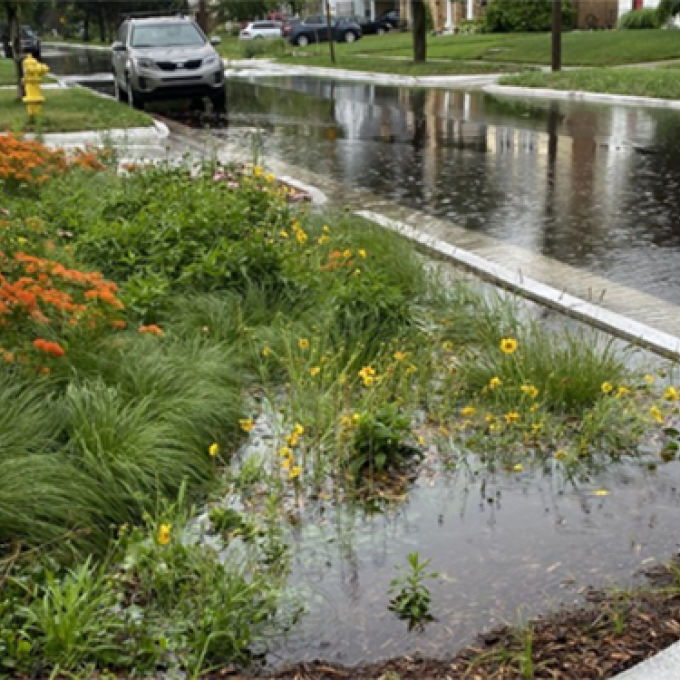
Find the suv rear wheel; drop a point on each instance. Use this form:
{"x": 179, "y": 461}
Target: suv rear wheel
{"x": 303, "y": 41}
{"x": 350, "y": 37}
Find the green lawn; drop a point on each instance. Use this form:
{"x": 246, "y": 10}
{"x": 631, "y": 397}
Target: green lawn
{"x": 68, "y": 111}
{"x": 663, "y": 83}
{"x": 7, "y": 76}
{"x": 397, "y": 66}
{"x": 597, "y": 48}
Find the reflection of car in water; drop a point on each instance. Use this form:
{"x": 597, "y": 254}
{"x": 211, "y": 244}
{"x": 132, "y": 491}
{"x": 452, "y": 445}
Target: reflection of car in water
{"x": 30, "y": 42}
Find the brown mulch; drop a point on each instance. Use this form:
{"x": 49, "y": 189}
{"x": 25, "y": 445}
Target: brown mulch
{"x": 612, "y": 632}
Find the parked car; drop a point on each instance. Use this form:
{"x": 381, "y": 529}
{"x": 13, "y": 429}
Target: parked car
{"x": 314, "y": 29}
{"x": 165, "y": 58}
{"x": 377, "y": 27}
{"x": 391, "y": 17}
{"x": 30, "y": 42}
{"x": 261, "y": 29}
{"x": 288, "y": 26}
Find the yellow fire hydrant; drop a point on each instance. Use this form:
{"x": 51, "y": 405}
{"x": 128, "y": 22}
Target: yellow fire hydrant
{"x": 33, "y": 72}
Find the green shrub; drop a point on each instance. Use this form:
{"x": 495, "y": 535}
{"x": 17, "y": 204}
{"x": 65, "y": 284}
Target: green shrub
{"x": 263, "y": 48}
{"x": 471, "y": 26}
{"x": 646, "y": 17}
{"x": 512, "y": 16}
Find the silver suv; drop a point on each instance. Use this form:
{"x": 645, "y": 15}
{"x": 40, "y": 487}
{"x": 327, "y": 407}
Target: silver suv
{"x": 165, "y": 58}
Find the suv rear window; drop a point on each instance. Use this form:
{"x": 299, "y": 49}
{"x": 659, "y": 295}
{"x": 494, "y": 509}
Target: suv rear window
{"x": 166, "y": 35}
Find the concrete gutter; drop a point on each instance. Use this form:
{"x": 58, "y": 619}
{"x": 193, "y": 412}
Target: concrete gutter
{"x": 616, "y": 324}
{"x": 578, "y": 95}
{"x": 139, "y": 135}
{"x": 266, "y": 67}
{"x": 663, "y": 666}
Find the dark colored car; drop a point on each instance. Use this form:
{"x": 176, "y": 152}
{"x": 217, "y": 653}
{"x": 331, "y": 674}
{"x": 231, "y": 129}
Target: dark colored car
{"x": 288, "y": 26}
{"x": 30, "y": 42}
{"x": 391, "y": 17}
{"x": 377, "y": 27}
{"x": 314, "y": 29}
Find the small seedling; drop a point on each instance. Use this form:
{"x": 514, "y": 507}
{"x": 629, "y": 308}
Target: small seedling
{"x": 412, "y": 599}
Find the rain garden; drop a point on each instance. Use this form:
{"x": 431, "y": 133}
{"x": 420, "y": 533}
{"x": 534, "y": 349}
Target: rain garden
{"x": 156, "y": 321}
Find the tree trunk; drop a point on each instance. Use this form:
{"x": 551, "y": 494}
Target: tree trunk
{"x": 102, "y": 24}
{"x": 86, "y": 28}
{"x": 419, "y": 28}
{"x": 13, "y": 28}
{"x": 557, "y": 35}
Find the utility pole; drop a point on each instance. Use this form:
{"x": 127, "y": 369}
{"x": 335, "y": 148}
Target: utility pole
{"x": 330, "y": 31}
{"x": 556, "y": 35}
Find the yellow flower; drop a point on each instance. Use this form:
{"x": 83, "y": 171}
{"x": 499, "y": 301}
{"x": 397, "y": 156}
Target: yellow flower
{"x": 299, "y": 429}
{"x": 511, "y": 417}
{"x": 292, "y": 439}
{"x": 533, "y": 408}
{"x": 357, "y": 272}
{"x": 649, "y": 379}
{"x": 164, "y": 533}
{"x": 314, "y": 370}
{"x": 258, "y": 171}
{"x": 656, "y": 414}
{"x": 347, "y": 254}
{"x": 421, "y": 441}
{"x": 342, "y": 379}
{"x": 326, "y": 229}
{"x": 443, "y": 430}
{"x": 287, "y": 462}
{"x": 536, "y": 428}
{"x": 468, "y": 411}
{"x": 367, "y": 372}
{"x": 400, "y": 356}
{"x": 601, "y": 492}
{"x": 285, "y": 452}
{"x": 671, "y": 394}
{"x": 214, "y": 449}
{"x": 607, "y": 387}
{"x": 530, "y": 390}
{"x": 294, "y": 472}
{"x": 356, "y": 418}
{"x": 346, "y": 421}
{"x": 246, "y": 424}
{"x": 266, "y": 351}
{"x": 324, "y": 238}
{"x": 301, "y": 236}
{"x": 283, "y": 234}
{"x": 411, "y": 369}
{"x": 447, "y": 345}
{"x": 494, "y": 383}
{"x": 303, "y": 343}
{"x": 518, "y": 468}
{"x": 368, "y": 381}
{"x": 269, "y": 177}
{"x": 362, "y": 254}
{"x": 489, "y": 418}
{"x": 561, "y": 454}
{"x": 622, "y": 391}
{"x": 508, "y": 345}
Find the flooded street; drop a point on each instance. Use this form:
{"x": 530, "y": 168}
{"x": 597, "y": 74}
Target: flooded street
{"x": 594, "y": 187}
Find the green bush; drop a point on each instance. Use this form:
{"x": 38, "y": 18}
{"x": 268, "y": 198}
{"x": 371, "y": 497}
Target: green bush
{"x": 471, "y": 26}
{"x": 647, "y": 17}
{"x": 518, "y": 16}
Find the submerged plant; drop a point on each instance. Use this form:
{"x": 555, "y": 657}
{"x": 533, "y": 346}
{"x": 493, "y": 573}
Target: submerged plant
{"x": 412, "y": 598}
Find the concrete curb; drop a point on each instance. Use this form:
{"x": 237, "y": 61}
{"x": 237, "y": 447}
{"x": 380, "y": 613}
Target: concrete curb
{"x": 616, "y": 324}
{"x": 265, "y": 67}
{"x": 662, "y": 666}
{"x": 578, "y": 95}
{"x": 78, "y": 46}
{"x": 140, "y": 135}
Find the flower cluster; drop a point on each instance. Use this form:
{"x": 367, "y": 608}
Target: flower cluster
{"x": 286, "y": 452}
{"x": 27, "y": 162}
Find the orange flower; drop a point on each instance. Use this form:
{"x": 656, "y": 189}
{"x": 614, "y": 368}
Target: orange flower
{"x": 48, "y": 347}
{"x": 152, "y": 329}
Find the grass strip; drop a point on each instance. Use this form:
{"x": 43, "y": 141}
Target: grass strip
{"x": 68, "y": 111}
{"x": 660, "y": 83}
{"x": 400, "y": 66}
{"x": 7, "y": 73}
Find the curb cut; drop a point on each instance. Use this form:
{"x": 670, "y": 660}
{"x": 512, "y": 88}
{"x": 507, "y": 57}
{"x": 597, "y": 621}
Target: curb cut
{"x": 633, "y": 331}
{"x": 579, "y": 95}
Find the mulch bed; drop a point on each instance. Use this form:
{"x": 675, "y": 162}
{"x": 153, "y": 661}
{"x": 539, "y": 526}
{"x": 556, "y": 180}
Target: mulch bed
{"x": 612, "y": 632}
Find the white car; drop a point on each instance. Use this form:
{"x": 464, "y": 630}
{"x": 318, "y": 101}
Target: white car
{"x": 261, "y": 29}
